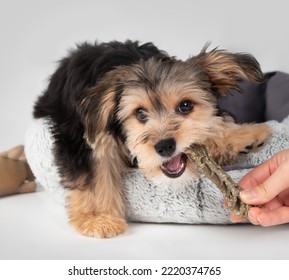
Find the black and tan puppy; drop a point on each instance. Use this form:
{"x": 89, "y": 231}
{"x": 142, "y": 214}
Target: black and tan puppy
{"x": 116, "y": 104}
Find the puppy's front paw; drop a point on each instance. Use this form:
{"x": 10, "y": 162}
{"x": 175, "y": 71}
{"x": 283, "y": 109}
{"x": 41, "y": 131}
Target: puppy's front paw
{"x": 258, "y": 136}
{"x": 252, "y": 147}
{"x": 101, "y": 226}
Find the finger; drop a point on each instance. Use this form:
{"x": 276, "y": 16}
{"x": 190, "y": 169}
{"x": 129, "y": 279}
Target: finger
{"x": 252, "y": 215}
{"x": 267, "y": 190}
{"x": 268, "y": 218}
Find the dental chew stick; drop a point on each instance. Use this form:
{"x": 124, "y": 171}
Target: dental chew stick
{"x": 205, "y": 164}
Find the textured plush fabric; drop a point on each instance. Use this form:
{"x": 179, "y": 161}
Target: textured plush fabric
{"x": 198, "y": 202}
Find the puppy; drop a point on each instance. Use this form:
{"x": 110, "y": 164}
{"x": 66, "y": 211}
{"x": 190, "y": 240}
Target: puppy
{"x": 115, "y": 105}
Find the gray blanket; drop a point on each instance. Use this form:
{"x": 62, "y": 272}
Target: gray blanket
{"x": 260, "y": 102}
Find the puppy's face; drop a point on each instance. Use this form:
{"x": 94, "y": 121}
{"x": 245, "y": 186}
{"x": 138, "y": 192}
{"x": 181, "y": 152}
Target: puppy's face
{"x": 166, "y": 106}
{"x": 163, "y": 109}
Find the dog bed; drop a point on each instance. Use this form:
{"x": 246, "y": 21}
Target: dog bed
{"x": 199, "y": 201}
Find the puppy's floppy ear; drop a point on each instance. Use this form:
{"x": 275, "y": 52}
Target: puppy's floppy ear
{"x": 224, "y": 70}
{"x": 98, "y": 108}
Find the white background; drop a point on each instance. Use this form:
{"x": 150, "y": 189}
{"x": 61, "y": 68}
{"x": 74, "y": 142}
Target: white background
{"x": 35, "y": 34}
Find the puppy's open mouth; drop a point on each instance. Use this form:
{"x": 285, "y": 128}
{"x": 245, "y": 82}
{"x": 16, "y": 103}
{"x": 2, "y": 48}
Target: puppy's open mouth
{"x": 175, "y": 166}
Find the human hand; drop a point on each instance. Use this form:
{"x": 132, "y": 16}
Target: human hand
{"x": 267, "y": 188}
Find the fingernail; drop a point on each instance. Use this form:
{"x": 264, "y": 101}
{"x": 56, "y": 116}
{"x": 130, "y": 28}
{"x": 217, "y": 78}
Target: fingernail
{"x": 248, "y": 195}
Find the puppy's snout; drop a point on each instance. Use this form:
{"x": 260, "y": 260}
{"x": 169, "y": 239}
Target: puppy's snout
{"x": 165, "y": 147}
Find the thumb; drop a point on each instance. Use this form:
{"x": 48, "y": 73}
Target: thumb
{"x": 270, "y": 188}
{"x": 257, "y": 195}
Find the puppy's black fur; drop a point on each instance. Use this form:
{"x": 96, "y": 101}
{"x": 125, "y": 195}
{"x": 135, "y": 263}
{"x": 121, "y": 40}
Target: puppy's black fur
{"x": 76, "y": 73}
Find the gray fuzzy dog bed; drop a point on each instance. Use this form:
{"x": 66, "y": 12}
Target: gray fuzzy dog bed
{"x": 197, "y": 202}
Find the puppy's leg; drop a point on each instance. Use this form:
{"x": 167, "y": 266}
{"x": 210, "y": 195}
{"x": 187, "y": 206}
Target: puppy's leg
{"x": 99, "y": 211}
{"x": 238, "y": 139}
{"x": 91, "y": 218}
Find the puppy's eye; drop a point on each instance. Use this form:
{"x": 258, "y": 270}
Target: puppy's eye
{"x": 185, "y": 107}
{"x": 141, "y": 115}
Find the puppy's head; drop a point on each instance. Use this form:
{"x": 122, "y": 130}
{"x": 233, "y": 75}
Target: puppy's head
{"x": 158, "y": 108}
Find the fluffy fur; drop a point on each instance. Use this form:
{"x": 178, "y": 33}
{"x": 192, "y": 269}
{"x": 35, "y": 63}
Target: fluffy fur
{"x": 118, "y": 105}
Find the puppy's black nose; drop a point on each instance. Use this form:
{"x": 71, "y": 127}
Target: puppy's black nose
{"x": 166, "y": 147}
